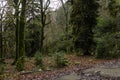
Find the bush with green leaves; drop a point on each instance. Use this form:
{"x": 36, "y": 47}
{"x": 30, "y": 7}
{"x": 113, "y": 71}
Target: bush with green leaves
{"x": 60, "y": 60}
{"x": 108, "y": 46}
{"x": 63, "y": 42}
{"x": 2, "y": 68}
{"x": 20, "y": 64}
{"x": 107, "y": 37}
{"x": 39, "y": 60}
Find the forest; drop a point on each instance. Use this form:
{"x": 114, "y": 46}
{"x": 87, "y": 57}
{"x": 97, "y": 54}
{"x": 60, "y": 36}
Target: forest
{"x": 59, "y": 39}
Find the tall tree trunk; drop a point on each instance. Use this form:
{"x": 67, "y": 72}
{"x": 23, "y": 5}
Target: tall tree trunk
{"x": 21, "y": 37}
{"x": 42, "y": 26}
{"x": 66, "y": 15}
{"x": 16, "y": 2}
{"x": 66, "y": 22}
{"x": 1, "y": 47}
{"x": 21, "y": 30}
{"x": 43, "y": 10}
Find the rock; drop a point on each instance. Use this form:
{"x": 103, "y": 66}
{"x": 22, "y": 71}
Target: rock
{"x": 97, "y": 72}
{"x": 25, "y": 72}
{"x": 72, "y": 76}
{"x": 48, "y": 69}
{"x": 82, "y": 73}
{"x": 88, "y": 74}
{"x": 39, "y": 70}
{"x": 77, "y": 63}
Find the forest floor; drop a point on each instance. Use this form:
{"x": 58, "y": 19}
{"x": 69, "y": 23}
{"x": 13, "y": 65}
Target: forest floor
{"x": 80, "y": 68}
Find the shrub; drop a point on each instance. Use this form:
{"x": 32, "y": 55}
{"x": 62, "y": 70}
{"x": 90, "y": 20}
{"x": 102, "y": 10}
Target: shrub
{"x": 39, "y": 60}
{"x": 107, "y": 37}
{"x": 2, "y": 68}
{"x": 20, "y": 64}
{"x": 101, "y": 51}
{"x": 108, "y": 46}
{"x": 60, "y": 60}
{"x": 63, "y": 42}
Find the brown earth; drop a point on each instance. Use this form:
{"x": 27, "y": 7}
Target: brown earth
{"x": 77, "y": 65}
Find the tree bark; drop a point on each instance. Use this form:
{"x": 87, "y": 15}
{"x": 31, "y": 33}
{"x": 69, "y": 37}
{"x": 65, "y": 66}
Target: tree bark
{"x": 43, "y": 21}
{"x": 42, "y": 26}
{"x": 1, "y": 35}
{"x": 1, "y": 47}
{"x": 16, "y": 2}
{"x": 21, "y": 30}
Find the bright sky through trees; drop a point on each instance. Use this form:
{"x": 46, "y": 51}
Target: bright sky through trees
{"x": 55, "y": 4}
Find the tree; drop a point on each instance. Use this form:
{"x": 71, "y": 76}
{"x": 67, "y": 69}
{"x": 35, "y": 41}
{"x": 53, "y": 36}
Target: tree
{"x": 2, "y": 13}
{"x": 65, "y": 7}
{"x": 107, "y": 31}
{"x": 43, "y": 13}
{"x": 113, "y": 8}
{"x": 21, "y": 36}
{"x": 16, "y": 7}
{"x": 1, "y": 49}
{"x": 32, "y": 36}
{"x": 64, "y": 29}
{"x": 83, "y": 20}
{"x": 22, "y": 29}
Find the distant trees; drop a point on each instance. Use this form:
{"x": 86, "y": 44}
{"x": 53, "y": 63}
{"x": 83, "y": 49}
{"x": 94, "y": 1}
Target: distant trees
{"x": 44, "y": 5}
{"x": 24, "y": 27}
{"x": 83, "y": 20}
{"x": 61, "y": 23}
{"x": 7, "y": 28}
{"x": 65, "y": 8}
{"x": 32, "y": 40}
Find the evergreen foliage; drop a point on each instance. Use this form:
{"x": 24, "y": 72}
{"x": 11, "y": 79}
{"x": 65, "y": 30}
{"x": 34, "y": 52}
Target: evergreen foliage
{"x": 39, "y": 60}
{"x": 60, "y": 60}
{"x": 2, "y": 68}
{"x": 113, "y": 8}
{"x": 20, "y": 64}
{"x": 32, "y": 43}
{"x": 32, "y": 28}
{"x": 83, "y": 20}
{"x": 107, "y": 33}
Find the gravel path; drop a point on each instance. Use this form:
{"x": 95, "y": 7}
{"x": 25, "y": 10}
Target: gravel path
{"x": 105, "y": 71}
